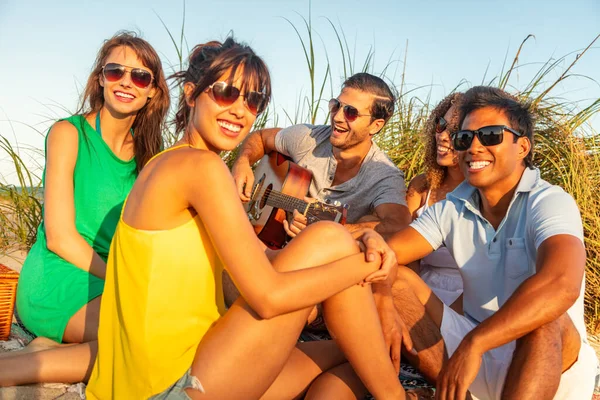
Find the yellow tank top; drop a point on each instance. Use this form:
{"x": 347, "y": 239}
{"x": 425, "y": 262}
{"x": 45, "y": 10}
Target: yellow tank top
{"x": 163, "y": 291}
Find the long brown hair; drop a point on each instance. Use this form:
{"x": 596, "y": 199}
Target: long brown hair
{"x": 149, "y": 121}
{"x": 434, "y": 172}
{"x": 211, "y": 60}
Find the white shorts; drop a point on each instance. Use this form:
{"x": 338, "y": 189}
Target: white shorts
{"x": 577, "y": 383}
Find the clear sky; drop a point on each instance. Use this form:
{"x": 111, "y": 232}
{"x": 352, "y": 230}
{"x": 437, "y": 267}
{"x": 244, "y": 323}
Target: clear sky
{"x": 47, "y": 48}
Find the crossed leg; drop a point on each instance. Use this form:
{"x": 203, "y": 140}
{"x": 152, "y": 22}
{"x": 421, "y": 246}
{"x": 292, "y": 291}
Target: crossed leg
{"x": 422, "y": 312}
{"x": 245, "y": 357}
{"x": 47, "y": 361}
{"x": 547, "y": 351}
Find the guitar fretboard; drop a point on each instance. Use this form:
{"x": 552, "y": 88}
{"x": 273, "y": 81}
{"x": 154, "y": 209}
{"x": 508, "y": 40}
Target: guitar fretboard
{"x": 285, "y": 202}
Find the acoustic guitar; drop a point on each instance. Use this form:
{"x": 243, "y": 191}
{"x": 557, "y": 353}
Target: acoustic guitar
{"x": 280, "y": 187}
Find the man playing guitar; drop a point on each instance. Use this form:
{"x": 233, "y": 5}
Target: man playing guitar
{"x": 346, "y": 166}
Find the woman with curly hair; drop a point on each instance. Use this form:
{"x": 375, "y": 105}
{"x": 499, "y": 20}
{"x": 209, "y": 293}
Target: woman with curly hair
{"x": 442, "y": 175}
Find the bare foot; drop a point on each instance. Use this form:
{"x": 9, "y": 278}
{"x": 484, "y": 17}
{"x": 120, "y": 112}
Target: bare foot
{"x": 37, "y": 344}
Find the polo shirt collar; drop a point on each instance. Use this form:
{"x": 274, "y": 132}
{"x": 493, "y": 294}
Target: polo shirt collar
{"x": 468, "y": 194}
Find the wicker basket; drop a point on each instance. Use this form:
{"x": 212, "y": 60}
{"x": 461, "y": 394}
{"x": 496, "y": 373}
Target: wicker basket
{"x": 8, "y": 294}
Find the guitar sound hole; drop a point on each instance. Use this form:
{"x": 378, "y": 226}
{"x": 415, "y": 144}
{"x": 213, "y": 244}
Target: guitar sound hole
{"x": 265, "y": 196}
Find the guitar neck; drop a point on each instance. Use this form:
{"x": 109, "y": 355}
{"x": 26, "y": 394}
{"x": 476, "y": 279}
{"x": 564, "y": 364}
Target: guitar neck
{"x": 286, "y": 202}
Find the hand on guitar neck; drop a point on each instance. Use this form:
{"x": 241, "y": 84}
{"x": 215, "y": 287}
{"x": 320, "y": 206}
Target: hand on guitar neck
{"x": 297, "y": 221}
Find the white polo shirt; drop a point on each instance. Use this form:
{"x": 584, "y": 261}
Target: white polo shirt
{"x": 493, "y": 263}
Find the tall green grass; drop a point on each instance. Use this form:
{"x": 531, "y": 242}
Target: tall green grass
{"x": 566, "y": 146}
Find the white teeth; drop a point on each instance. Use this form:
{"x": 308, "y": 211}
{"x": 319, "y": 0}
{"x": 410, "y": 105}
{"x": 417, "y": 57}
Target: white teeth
{"x": 230, "y": 127}
{"x": 478, "y": 164}
{"x": 125, "y": 95}
{"x": 443, "y": 149}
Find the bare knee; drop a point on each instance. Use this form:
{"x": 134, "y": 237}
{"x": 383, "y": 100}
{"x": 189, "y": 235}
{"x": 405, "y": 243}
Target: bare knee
{"x": 408, "y": 279}
{"x": 340, "y": 382}
{"x": 325, "y": 240}
{"x": 331, "y": 234}
{"x": 557, "y": 337}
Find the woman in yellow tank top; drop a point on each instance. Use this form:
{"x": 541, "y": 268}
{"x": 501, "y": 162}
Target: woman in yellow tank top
{"x": 164, "y": 332}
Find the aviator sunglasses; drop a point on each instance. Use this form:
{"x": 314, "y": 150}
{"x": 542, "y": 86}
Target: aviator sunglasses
{"x": 114, "y": 72}
{"x": 350, "y": 113}
{"x": 488, "y": 136}
{"x": 225, "y": 95}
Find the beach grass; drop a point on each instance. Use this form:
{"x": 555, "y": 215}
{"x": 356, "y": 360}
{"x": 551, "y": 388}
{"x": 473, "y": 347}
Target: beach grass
{"x": 566, "y": 146}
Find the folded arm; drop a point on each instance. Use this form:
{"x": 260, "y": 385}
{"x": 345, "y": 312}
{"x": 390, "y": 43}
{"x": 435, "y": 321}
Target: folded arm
{"x": 59, "y": 209}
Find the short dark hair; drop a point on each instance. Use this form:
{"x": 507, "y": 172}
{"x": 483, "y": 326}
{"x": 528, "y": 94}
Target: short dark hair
{"x": 519, "y": 114}
{"x": 384, "y": 102}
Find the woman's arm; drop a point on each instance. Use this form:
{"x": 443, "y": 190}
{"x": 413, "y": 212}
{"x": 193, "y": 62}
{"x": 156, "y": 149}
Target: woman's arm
{"x": 415, "y": 198}
{"x": 416, "y": 194}
{"x": 214, "y": 197}
{"x": 59, "y": 210}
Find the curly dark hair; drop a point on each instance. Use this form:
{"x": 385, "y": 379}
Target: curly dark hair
{"x": 434, "y": 172}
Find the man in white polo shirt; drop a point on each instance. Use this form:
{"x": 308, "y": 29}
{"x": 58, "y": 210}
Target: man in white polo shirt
{"x": 518, "y": 330}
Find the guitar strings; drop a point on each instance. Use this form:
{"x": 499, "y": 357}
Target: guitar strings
{"x": 287, "y": 200}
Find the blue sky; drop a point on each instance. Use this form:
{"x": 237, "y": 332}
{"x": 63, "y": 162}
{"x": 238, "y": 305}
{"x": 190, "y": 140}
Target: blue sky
{"x": 47, "y": 48}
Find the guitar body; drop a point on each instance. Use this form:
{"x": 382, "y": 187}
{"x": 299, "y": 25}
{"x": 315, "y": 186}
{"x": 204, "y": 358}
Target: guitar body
{"x": 275, "y": 172}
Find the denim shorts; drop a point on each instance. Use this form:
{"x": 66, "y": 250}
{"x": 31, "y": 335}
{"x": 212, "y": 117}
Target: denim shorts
{"x": 177, "y": 390}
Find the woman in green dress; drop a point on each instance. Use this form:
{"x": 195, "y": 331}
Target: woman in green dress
{"x": 92, "y": 161}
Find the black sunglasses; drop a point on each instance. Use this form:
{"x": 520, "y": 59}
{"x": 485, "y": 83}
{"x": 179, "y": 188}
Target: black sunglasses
{"x": 225, "y": 95}
{"x": 488, "y": 136}
{"x": 440, "y": 124}
{"x": 350, "y": 112}
{"x": 114, "y": 72}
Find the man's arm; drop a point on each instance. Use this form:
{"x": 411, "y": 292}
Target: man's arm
{"x": 409, "y": 245}
{"x": 256, "y": 145}
{"x": 540, "y": 299}
{"x": 389, "y": 218}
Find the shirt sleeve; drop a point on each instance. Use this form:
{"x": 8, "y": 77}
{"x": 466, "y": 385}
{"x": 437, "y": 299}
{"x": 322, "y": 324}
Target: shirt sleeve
{"x": 294, "y": 141}
{"x": 554, "y": 212}
{"x": 428, "y": 224}
{"x": 391, "y": 189}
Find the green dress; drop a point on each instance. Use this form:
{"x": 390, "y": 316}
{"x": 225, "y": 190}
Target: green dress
{"x": 51, "y": 290}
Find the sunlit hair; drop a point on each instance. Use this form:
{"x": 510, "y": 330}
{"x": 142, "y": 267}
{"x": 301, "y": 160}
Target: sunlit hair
{"x": 149, "y": 121}
{"x": 209, "y": 61}
{"x": 435, "y": 173}
{"x": 518, "y": 114}
{"x": 384, "y": 101}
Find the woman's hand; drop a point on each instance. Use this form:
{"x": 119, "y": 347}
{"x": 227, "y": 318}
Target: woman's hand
{"x": 372, "y": 243}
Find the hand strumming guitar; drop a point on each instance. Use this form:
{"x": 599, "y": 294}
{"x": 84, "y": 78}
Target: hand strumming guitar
{"x": 244, "y": 178}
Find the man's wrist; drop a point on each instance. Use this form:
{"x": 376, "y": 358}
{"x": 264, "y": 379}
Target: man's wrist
{"x": 382, "y": 290}
{"x": 475, "y": 342}
{"x": 242, "y": 159}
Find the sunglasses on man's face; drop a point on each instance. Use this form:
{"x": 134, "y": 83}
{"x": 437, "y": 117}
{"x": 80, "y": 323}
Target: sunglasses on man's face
{"x": 440, "y": 125}
{"x": 114, "y": 72}
{"x": 350, "y": 113}
{"x": 488, "y": 136}
{"x": 225, "y": 95}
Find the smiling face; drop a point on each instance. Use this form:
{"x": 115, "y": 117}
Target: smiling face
{"x": 498, "y": 167}
{"x": 445, "y": 155}
{"x": 346, "y": 134}
{"x": 220, "y": 127}
{"x": 122, "y": 97}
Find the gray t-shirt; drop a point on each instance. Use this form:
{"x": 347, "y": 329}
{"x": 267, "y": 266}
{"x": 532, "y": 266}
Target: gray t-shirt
{"x": 378, "y": 181}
